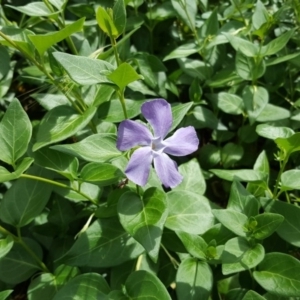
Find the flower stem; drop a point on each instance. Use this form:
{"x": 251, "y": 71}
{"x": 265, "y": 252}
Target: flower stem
{"x": 122, "y": 100}
{"x": 28, "y": 176}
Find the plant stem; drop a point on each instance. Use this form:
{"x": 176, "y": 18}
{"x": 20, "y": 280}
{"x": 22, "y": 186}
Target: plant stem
{"x": 282, "y": 167}
{"x": 114, "y": 45}
{"x": 172, "y": 259}
{"x": 122, "y": 100}
{"x": 33, "y": 255}
{"x": 28, "y": 176}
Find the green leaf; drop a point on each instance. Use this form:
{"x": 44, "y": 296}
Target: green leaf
{"x": 251, "y": 295}
{"x": 100, "y": 173}
{"x": 34, "y": 9}
{"x": 194, "y": 244}
{"x": 96, "y": 148}
{"x": 83, "y": 70}
{"x": 15, "y": 133}
{"x": 249, "y": 68}
{"x": 194, "y": 280}
{"x": 60, "y": 123}
{"x": 112, "y": 111}
{"x": 240, "y": 175}
{"x": 179, "y": 110}
{"x": 144, "y": 285}
{"x": 183, "y": 51}
{"x": 90, "y": 286}
{"x": 187, "y": 11}
{"x": 273, "y": 113}
{"x": 124, "y": 75}
{"x": 210, "y": 27}
{"x": 193, "y": 179}
{"x": 290, "y": 144}
{"x": 144, "y": 218}
{"x": 20, "y": 169}
{"x": 233, "y": 220}
{"x": 119, "y": 16}
{"x": 230, "y": 154}
{"x": 255, "y": 100}
{"x": 18, "y": 265}
{"x": 267, "y": 223}
{"x": 5, "y": 294}
{"x": 242, "y": 201}
{"x": 5, "y": 245}
{"x": 44, "y": 41}
{"x": 105, "y": 22}
{"x": 229, "y": 103}
{"x": 279, "y": 274}
{"x": 42, "y": 287}
{"x": 103, "y": 244}
{"x": 4, "y": 63}
{"x": 239, "y": 255}
{"x": 289, "y": 230}
{"x": 260, "y": 15}
{"x": 193, "y": 215}
{"x": 280, "y": 59}
{"x": 273, "y": 132}
{"x": 290, "y": 180}
{"x": 277, "y": 44}
{"x": 201, "y": 117}
{"x": 195, "y": 91}
{"x": 242, "y": 46}
{"x": 20, "y": 210}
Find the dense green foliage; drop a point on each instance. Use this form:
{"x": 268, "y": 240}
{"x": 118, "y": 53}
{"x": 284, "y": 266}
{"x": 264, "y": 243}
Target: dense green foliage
{"x": 72, "y": 226}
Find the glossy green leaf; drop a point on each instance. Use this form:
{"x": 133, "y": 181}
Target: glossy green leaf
{"x": 290, "y": 180}
{"x": 183, "y": 51}
{"x": 193, "y": 179}
{"x": 194, "y": 280}
{"x": 279, "y": 273}
{"x": 267, "y": 224}
{"x": 243, "y": 46}
{"x": 18, "y": 265}
{"x": 272, "y": 132}
{"x": 45, "y": 41}
{"x": 289, "y": 230}
{"x": 188, "y": 212}
{"x": 273, "y": 113}
{"x": 20, "y": 169}
{"x": 100, "y": 173}
{"x": 42, "y": 287}
{"x": 15, "y": 133}
{"x": 281, "y": 59}
{"x": 187, "y": 11}
{"x": 105, "y": 22}
{"x": 251, "y": 295}
{"x": 233, "y": 220}
{"x": 144, "y": 218}
{"x": 239, "y": 255}
{"x": 5, "y": 294}
{"x": 230, "y": 103}
{"x": 230, "y": 154}
{"x": 178, "y": 113}
{"x": 34, "y": 9}
{"x": 144, "y": 285}
{"x": 194, "y": 244}
{"x": 249, "y": 68}
{"x": 104, "y": 244}
{"x": 60, "y": 123}
{"x": 59, "y": 162}
{"x": 119, "y": 16}
{"x": 84, "y": 70}
{"x": 90, "y": 286}
{"x": 112, "y": 111}
{"x": 290, "y": 144}
{"x": 242, "y": 201}
{"x": 26, "y": 199}
{"x": 260, "y": 15}
{"x": 5, "y": 245}
{"x": 240, "y": 175}
{"x": 277, "y": 44}
{"x": 96, "y": 148}
{"x": 201, "y": 117}
{"x": 124, "y": 75}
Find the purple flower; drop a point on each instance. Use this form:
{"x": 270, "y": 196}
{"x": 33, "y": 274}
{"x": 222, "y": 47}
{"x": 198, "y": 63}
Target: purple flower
{"x": 153, "y": 147}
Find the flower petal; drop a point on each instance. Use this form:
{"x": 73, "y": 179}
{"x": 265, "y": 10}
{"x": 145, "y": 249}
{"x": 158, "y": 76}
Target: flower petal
{"x": 139, "y": 164}
{"x": 158, "y": 113}
{"x": 131, "y": 134}
{"x": 166, "y": 170}
{"x": 183, "y": 142}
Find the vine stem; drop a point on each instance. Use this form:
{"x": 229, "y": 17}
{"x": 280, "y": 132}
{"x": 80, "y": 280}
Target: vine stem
{"x": 28, "y": 176}
{"x": 172, "y": 259}
{"x": 282, "y": 167}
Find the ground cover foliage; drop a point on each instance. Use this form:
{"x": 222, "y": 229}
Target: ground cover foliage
{"x": 72, "y": 226}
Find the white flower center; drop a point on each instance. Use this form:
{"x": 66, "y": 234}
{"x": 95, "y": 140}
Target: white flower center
{"x": 157, "y": 145}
